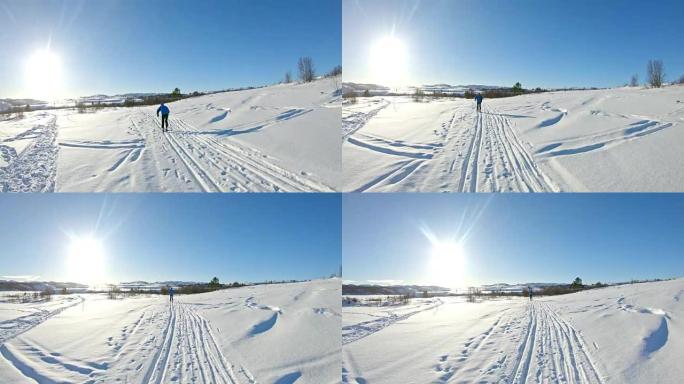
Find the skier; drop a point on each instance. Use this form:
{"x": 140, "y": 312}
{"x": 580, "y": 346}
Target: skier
{"x": 171, "y": 294}
{"x": 478, "y": 99}
{"x": 529, "y": 290}
{"x": 164, "y": 116}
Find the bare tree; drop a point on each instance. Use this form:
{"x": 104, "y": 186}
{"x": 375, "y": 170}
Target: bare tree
{"x": 656, "y": 73}
{"x": 336, "y": 71}
{"x": 288, "y": 77}
{"x": 634, "y": 81}
{"x": 307, "y": 72}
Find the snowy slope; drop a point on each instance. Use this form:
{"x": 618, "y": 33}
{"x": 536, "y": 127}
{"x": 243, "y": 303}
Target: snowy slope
{"x": 278, "y": 138}
{"x": 266, "y": 334}
{"x": 629, "y": 333}
{"x": 599, "y": 140}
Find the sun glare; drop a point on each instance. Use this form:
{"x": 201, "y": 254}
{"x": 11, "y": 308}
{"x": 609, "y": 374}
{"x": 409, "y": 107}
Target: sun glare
{"x": 43, "y": 74}
{"x": 388, "y": 61}
{"x": 447, "y": 265}
{"x": 86, "y": 261}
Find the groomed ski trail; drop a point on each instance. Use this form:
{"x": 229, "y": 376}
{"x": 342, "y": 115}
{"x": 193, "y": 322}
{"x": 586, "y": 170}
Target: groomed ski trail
{"x": 221, "y": 166}
{"x": 165, "y": 344}
{"x": 487, "y": 156}
{"x": 547, "y": 349}
{"x": 480, "y": 152}
{"x": 189, "y": 353}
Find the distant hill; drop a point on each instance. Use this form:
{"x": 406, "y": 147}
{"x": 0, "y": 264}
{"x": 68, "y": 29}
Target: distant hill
{"x": 504, "y": 287}
{"x": 11, "y": 285}
{"x": 22, "y": 102}
{"x": 379, "y": 90}
{"x": 416, "y": 290}
{"x": 359, "y": 88}
{"x": 368, "y": 289}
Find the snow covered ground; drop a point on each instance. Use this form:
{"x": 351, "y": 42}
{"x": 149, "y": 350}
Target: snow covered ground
{"x": 599, "y": 140}
{"x": 282, "y": 334}
{"x": 278, "y": 138}
{"x": 621, "y": 334}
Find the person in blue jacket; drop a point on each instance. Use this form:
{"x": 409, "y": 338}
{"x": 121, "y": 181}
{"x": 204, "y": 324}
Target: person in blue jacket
{"x": 478, "y": 99}
{"x": 165, "y": 117}
{"x": 171, "y": 294}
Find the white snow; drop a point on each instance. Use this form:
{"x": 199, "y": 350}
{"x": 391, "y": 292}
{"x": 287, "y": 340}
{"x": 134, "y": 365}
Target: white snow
{"x": 620, "y": 334}
{"x": 267, "y": 334}
{"x": 278, "y": 138}
{"x": 597, "y": 140}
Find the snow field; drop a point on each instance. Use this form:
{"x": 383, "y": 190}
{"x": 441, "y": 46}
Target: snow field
{"x": 277, "y": 138}
{"x": 273, "y": 333}
{"x": 600, "y": 140}
{"x": 628, "y": 333}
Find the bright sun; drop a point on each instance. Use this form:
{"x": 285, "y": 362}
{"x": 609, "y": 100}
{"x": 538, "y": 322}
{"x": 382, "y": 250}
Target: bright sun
{"x": 43, "y": 73}
{"x": 388, "y": 61}
{"x": 447, "y": 264}
{"x": 86, "y": 260}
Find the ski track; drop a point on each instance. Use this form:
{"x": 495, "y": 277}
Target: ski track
{"x": 34, "y": 169}
{"x": 495, "y": 160}
{"x": 357, "y": 120}
{"x": 189, "y": 352}
{"x": 545, "y": 348}
{"x": 12, "y": 328}
{"x": 351, "y": 333}
{"x": 220, "y": 166}
{"x": 482, "y": 154}
{"x": 198, "y": 158}
{"x": 175, "y": 344}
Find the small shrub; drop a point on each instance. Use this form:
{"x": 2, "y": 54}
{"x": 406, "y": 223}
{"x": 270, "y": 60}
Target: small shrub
{"x": 46, "y": 294}
{"x": 418, "y": 95}
{"x": 351, "y": 96}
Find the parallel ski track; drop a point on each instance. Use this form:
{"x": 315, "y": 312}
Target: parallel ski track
{"x": 505, "y": 157}
{"x": 561, "y": 354}
{"x": 235, "y": 165}
{"x": 190, "y": 348}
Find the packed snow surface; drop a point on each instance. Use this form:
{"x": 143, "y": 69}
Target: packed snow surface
{"x": 618, "y": 140}
{"x": 283, "y": 333}
{"x": 620, "y": 334}
{"x": 278, "y": 138}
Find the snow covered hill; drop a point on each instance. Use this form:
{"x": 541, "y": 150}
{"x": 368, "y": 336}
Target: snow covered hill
{"x": 278, "y": 138}
{"x": 267, "y": 334}
{"x": 597, "y": 140}
{"x": 620, "y": 334}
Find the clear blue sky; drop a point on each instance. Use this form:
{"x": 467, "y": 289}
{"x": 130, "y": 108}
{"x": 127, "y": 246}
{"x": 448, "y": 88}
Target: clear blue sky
{"x": 537, "y": 42}
{"x": 190, "y": 237}
{"x": 119, "y": 46}
{"x": 516, "y": 238}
